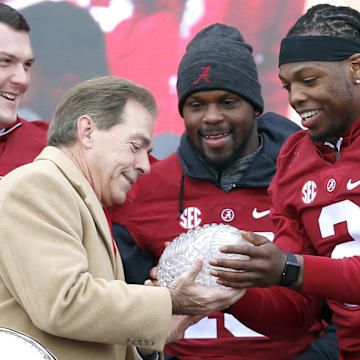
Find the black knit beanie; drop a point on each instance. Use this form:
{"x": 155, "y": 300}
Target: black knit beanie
{"x": 218, "y": 58}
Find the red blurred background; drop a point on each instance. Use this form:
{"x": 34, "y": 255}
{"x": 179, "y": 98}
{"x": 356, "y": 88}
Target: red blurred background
{"x": 144, "y": 40}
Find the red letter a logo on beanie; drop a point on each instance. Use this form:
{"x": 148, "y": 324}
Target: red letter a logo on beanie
{"x": 204, "y": 75}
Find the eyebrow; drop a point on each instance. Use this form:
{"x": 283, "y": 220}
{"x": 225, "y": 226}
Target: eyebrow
{"x": 304, "y": 68}
{"x": 4, "y": 53}
{"x": 299, "y": 71}
{"x": 145, "y": 141}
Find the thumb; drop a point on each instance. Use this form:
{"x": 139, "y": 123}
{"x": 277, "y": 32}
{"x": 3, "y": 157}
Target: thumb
{"x": 194, "y": 270}
{"x": 188, "y": 277}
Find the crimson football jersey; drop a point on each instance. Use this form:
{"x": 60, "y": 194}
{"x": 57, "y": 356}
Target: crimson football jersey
{"x": 151, "y": 215}
{"x": 21, "y": 143}
{"x": 316, "y": 209}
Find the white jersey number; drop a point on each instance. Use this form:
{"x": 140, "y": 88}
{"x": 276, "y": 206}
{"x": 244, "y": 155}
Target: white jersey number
{"x": 207, "y": 327}
{"x": 342, "y": 211}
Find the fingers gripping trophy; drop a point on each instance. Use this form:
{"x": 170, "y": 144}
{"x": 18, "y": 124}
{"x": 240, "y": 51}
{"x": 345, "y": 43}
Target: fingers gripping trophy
{"x": 202, "y": 242}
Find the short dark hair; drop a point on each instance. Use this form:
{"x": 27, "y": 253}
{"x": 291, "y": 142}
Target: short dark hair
{"x": 13, "y": 18}
{"x": 103, "y": 99}
{"x": 328, "y": 20}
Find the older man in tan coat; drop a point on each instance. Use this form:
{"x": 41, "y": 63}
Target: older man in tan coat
{"x": 61, "y": 276}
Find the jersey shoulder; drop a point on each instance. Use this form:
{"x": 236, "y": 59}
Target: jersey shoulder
{"x": 164, "y": 175}
{"x": 297, "y": 157}
{"x": 40, "y": 126}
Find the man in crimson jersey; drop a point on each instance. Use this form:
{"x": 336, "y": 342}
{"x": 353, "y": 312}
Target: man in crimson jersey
{"x": 20, "y": 141}
{"x": 315, "y": 193}
{"x": 219, "y": 174}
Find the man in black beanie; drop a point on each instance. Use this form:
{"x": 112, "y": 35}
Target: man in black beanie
{"x": 219, "y": 174}
{"x": 229, "y": 66}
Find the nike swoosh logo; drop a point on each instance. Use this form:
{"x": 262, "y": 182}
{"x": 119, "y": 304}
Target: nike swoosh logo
{"x": 259, "y": 214}
{"x": 350, "y": 185}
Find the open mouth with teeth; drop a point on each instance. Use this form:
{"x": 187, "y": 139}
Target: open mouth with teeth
{"x": 8, "y": 96}
{"x": 218, "y": 136}
{"x": 216, "y": 139}
{"x": 306, "y": 116}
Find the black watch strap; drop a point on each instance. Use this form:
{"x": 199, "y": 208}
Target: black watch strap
{"x": 291, "y": 270}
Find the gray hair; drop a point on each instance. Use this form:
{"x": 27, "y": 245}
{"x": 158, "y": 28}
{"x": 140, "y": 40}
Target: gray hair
{"x": 103, "y": 99}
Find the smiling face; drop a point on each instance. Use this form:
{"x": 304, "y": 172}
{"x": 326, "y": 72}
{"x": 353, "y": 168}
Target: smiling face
{"x": 15, "y": 60}
{"x": 119, "y": 154}
{"x": 221, "y": 125}
{"x": 323, "y": 94}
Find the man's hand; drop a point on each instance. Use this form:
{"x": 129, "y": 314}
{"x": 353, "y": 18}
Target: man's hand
{"x": 191, "y": 299}
{"x": 153, "y": 277}
{"x": 178, "y": 325}
{"x": 263, "y": 268}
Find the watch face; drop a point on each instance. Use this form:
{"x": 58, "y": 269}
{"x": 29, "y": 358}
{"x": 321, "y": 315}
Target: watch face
{"x": 291, "y": 271}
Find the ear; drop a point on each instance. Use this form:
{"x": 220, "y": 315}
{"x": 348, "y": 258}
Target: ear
{"x": 355, "y": 68}
{"x": 85, "y": 131}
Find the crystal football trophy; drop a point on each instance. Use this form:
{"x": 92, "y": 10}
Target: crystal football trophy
{"x": 17, "y": 345}
{"x": 202, "y": 241}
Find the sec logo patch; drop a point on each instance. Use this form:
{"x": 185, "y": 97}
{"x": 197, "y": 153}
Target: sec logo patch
{"x": 190, "y": 218}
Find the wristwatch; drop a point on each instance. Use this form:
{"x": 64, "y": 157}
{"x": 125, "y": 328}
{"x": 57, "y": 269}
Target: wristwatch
{"x": 291, "y": 271}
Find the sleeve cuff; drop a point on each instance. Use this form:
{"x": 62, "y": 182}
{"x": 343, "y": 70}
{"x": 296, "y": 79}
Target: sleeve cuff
{"x": 152, "y": 356}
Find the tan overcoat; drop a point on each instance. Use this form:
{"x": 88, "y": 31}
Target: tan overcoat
{"x": 60, "y": 281}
